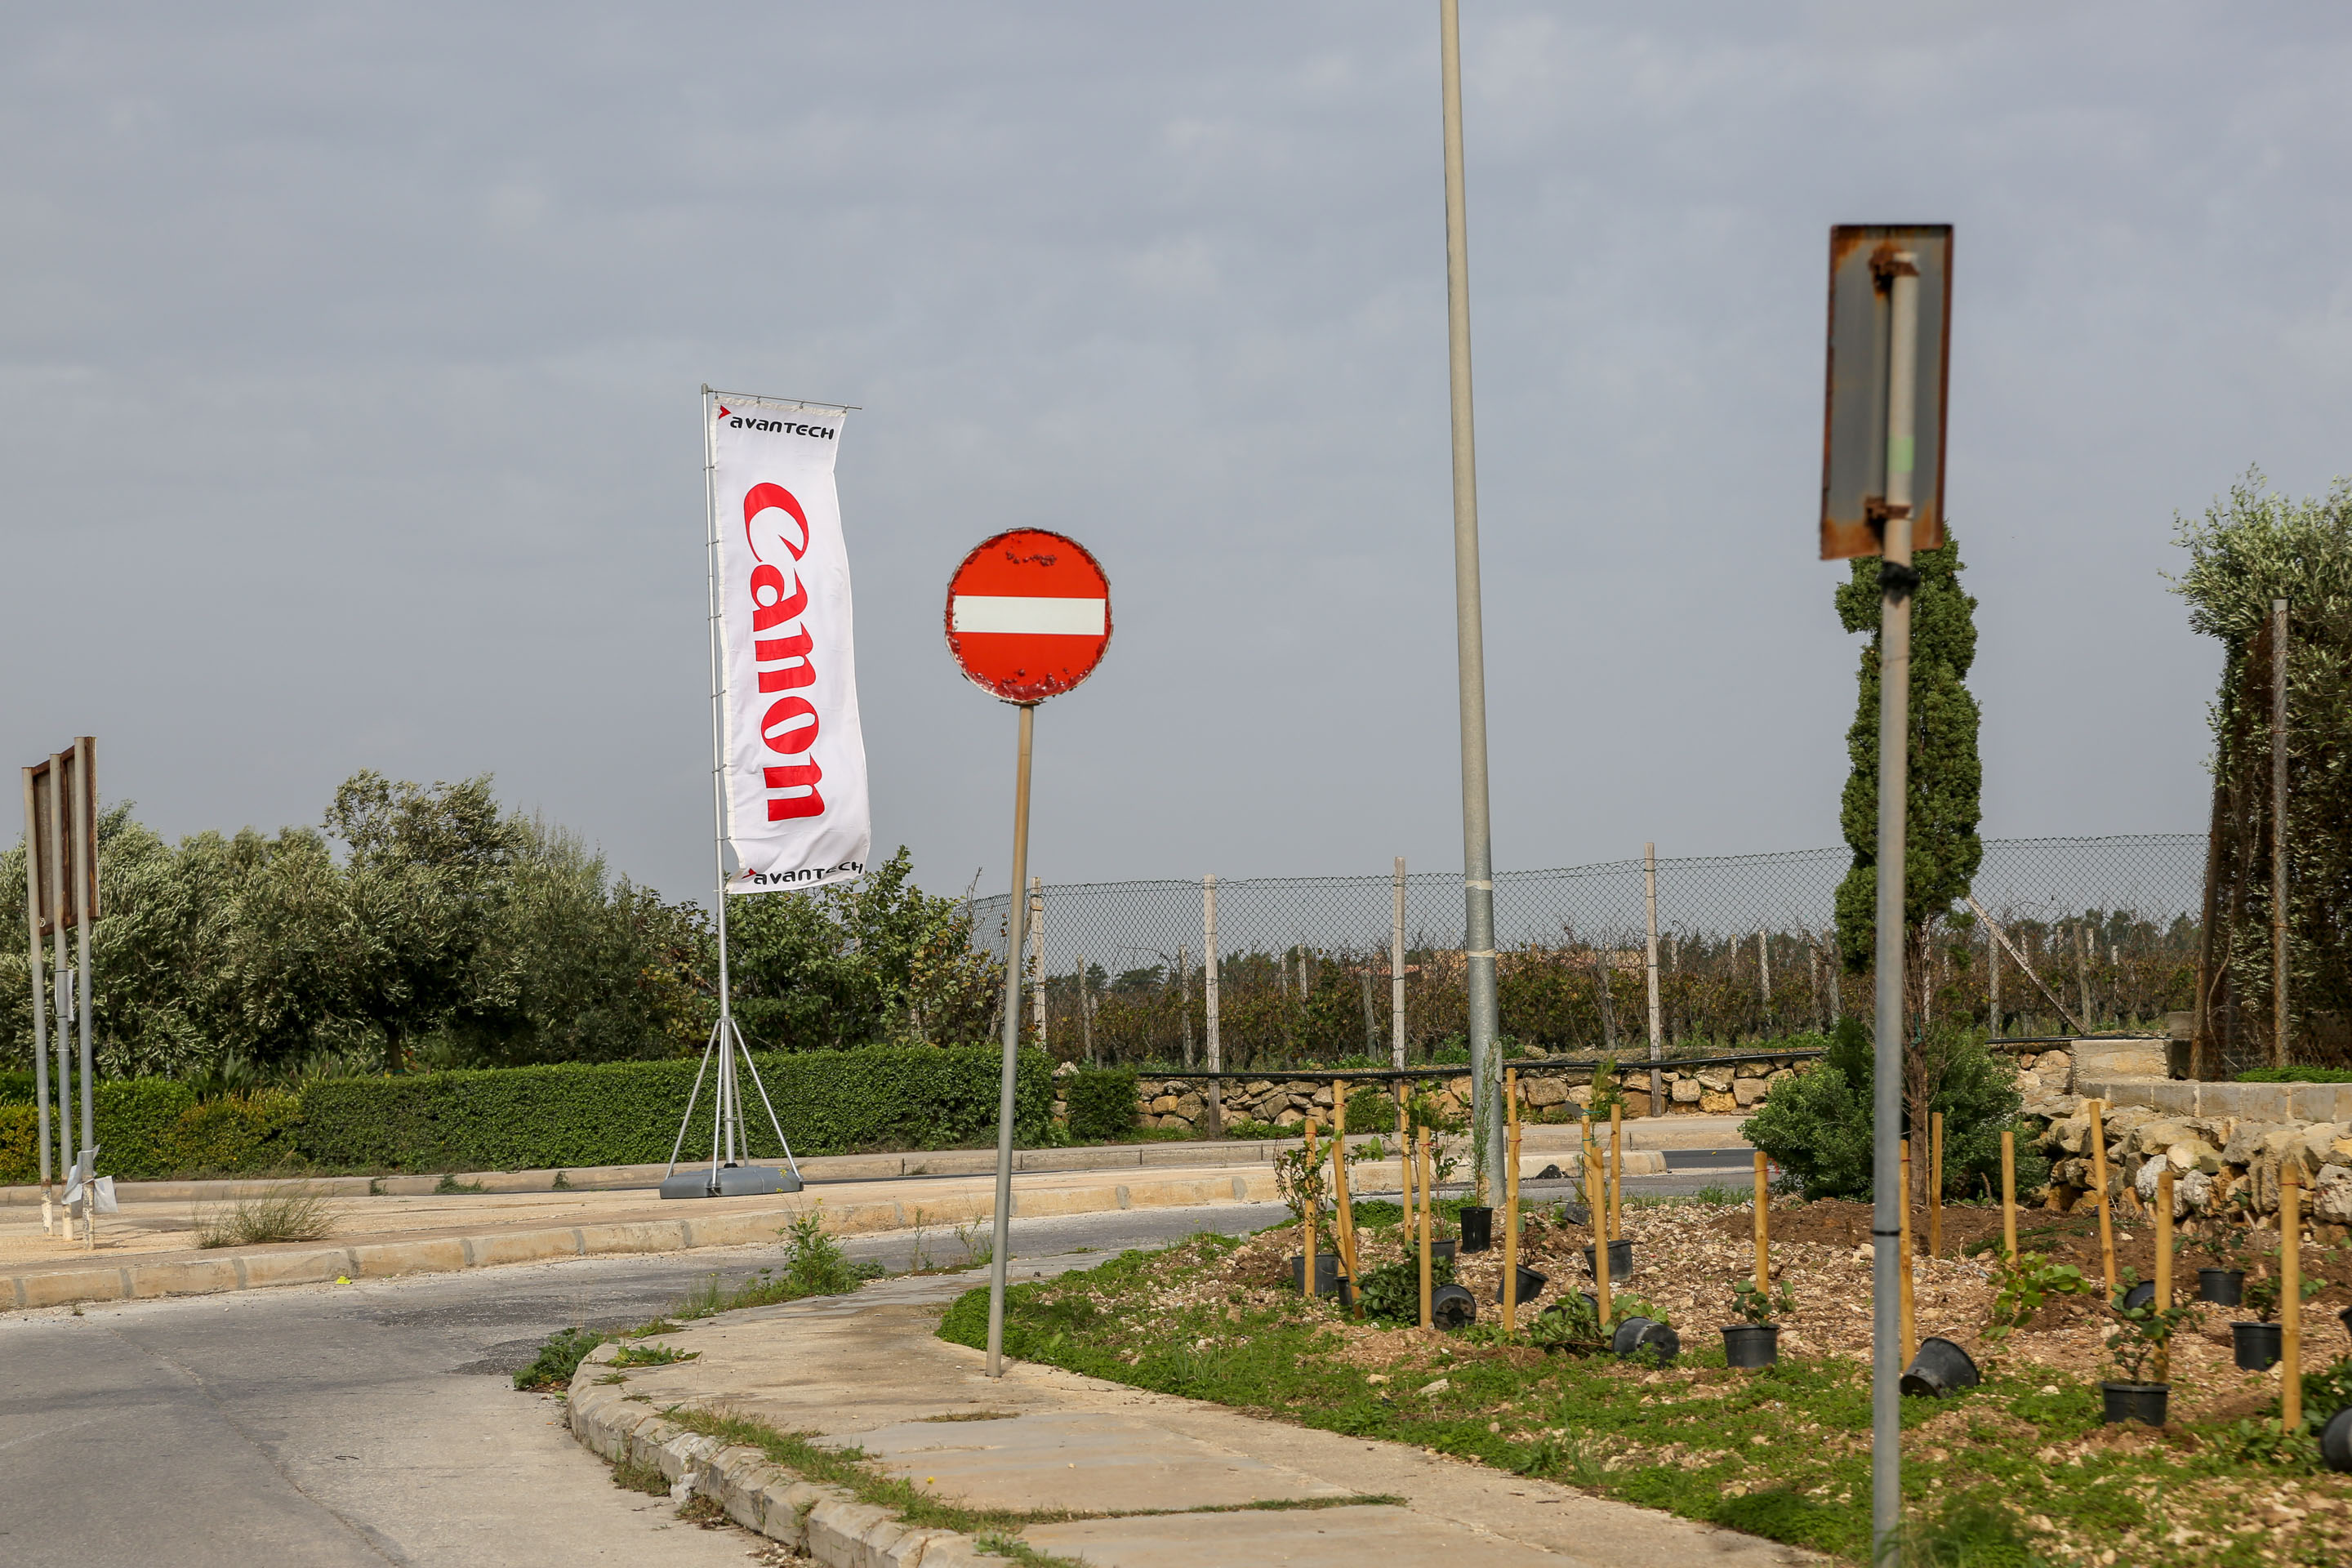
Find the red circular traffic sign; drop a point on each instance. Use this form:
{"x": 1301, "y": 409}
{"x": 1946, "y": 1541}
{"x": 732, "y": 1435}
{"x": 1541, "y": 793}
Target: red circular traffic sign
{"x": 1028, "y": 614}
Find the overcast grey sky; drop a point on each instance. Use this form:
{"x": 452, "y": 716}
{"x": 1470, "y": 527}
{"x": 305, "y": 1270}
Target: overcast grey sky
{"x": 348, "y": 356}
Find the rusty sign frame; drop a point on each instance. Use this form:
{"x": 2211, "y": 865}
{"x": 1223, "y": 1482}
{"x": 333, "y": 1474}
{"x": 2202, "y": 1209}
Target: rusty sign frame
{"x": 65, "y": 780}
{"x": 1853, "y": 420}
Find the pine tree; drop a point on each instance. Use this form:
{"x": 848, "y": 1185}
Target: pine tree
{"x": 1942, "y": 850}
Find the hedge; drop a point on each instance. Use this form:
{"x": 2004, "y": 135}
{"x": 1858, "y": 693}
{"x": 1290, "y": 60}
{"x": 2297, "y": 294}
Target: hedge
{"x": 153, "y": 1127}
{"x": 1102, "y": 1103}
{"x": 513, "y": 1118}
{"x": 627, "y": 1113}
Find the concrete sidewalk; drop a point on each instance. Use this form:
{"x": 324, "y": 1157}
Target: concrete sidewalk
{"x": 866, "y": 1371}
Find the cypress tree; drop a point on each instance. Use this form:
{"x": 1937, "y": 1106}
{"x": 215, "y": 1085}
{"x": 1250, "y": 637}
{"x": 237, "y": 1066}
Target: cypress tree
{"x": 1941, "y": 848}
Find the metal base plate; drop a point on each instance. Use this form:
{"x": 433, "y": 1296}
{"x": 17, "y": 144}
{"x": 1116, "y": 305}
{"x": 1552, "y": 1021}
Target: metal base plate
{"x": 734, "y": 1181}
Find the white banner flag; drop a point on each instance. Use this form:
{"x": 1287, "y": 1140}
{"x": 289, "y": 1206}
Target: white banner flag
{"x": 794, "y": 752}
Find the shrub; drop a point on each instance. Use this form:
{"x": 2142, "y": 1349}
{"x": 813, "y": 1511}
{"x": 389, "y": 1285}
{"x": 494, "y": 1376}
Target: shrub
{"x": 1817, "y": 1126}
{"x": 288, "y": 1211}
{"x": 1102, "y": 1103}
{"x": 2296, "y": 1073}
{"x": 236, "y": 1133}
{"x": 1371, "y": 1109}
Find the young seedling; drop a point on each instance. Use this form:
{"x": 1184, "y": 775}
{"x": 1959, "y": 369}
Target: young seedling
{"x": 1762, "y": 1307}
{"x": 2019, "y": 1289}
{"x": 2141, "y": 1333}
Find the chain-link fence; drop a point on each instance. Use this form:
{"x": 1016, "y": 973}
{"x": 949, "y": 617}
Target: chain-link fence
{"x": 2106, "y": 930}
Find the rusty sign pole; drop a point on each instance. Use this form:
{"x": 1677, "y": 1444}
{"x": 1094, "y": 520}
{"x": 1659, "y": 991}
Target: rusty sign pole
{"x": 1897, "y": 580}
{"x": 1477, "y": 831}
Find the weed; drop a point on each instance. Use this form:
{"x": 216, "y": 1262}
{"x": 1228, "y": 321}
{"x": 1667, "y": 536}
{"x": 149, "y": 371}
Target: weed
{"x": 449, "y": 1184}
{"x": 613, "y": 1377}
{"x": 287, "y": 1211}
{"x": 704, "y": 1511}
{"x": 972, "y": 1415}
{"x": 979, "y": 1245}
{"x": 633, "y": 1475}
{"x": 917, "y": 1260}
{"x": 652, "y": 1355}
{"x": 2019, "y": 1289}
{"x": 550, "y": 1370}
{"x": 815, "y": 1264}
{"x": 562, "y": 1184}
{"x": 658, "y": 1326}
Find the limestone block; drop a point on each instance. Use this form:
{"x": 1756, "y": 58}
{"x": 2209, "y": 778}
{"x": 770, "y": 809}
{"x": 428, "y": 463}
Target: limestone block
{"x": 1685, "y": 1091}
{"x": 2331, "y": 1197}
{"x": 1166, "y": 1103}
{"x": 1580, "y": 1094}
{"x": 2246, "y": 1137}
{"x": 1291, "y": 1117}
{"x": 2192, "y": 1194}
{"x": 2071, "y": 1135}
{"x": 1781, "y": 1074}
{"x": 1460, "y": 1087}
{"x": 1751, "y": 1070}
{"x": 1745, "y": 1092}
{"x": 1189, "y": 1106}
{"x": 1543, "y": 1092}
{"x": 1718, "y": 1104}
{"x": 2029, "y": 1084}
{"x": 1714, "y": 1080}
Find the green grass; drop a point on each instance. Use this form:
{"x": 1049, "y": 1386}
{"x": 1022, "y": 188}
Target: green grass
{"x": 651, "y": 1356}
{"x": 449, "y": 1184}
{"x": 1781, "y": 1453}
{"x": 550, "y": 1370}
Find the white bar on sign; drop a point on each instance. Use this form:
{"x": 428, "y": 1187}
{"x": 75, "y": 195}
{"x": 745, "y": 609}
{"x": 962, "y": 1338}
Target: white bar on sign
{"x": 1049, "y": 617}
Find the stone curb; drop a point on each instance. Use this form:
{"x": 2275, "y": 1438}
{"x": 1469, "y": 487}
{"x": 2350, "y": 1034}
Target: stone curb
{"x": 56, "y": 1286}
{"x": 826, "y": 1523}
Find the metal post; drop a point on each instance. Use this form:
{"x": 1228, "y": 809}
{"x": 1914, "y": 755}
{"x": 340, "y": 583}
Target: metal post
{"x": 1209, "y": 1004}
{"x": 1184, "y": 999}
{"x": 40, "y": 994}
{"x": 725, "y": 1030}
{"x": 2278, "y": 833}
{"x": 61, "y": 982}
{"x": 1037, "y": 958}
{"x": 84, "y": 875}
{"x": 1657, "y": 1014}
{"x": 1477, "y": 833}
{"x": 1003, "y": 1244}
{"x": 1992, "y": 980}
{"x": 1086, "y": 1020}
{"x": 1897, "y": 580}
{"x": 1396, "y": 969}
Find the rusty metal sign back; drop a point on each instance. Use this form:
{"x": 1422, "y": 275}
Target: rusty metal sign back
{"x": 1863, "y": 257}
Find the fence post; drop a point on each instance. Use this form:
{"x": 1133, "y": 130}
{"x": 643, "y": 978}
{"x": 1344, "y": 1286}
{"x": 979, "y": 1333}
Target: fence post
{"x": 1371, "y": 1028}
{"x": 1037, "y": 957}
{"x": 1086, "y": 1017}
{"x": 2082, "y": 971}
{"x": 1184, "y": 1000}
{"x": 1657, "y": 1014}
{"x": 1396, "y": 970}
{"x": 2278, "y": 832}
{"x": 1992, "y": 980}
{"x": 1764, "y": 977}
{"x": 1209, "y": 1000}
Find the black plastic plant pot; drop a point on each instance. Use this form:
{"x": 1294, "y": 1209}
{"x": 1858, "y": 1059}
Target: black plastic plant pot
{"x": 1532, "y": 1285}
{"x": 1634, "y": 1333}
{"x": 2223, "y": 1287}
{"x": 1941, "y": 1367}
{"x": 2256, "y": 1344}
{"x": 1445, "y": 1249}
{"x": 1621, "y": 1260}
{"x": 1451, "y": 1308}
{"x": 2141, "y": 1294}
{"x": 1751, "y": 1344}
{"x": 2344, "y": 1318}
{"x": 1477, "y": 1228}
{"x": 1327, "y": 1273}
{"x": 2336, "y": 1440}
{"x": 2141, "y": 1402}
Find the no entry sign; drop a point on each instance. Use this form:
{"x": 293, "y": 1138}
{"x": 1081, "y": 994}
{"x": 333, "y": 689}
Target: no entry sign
{"x": 1028, "y": 614}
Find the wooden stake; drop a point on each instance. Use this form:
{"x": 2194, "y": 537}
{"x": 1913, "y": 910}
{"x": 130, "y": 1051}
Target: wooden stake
{"x": 1763, "y": 1224}
{"x": 1421, "y": 1166}
{"x": 1404, "y": 1155}
{"x": 2099, "y": 1176}
{"x": 1511, "y": 1202}
{"x": 2164, "y": 1262}
{"x": 1598, "y": 1200}
{"x": 1936, "y": 1185}
{"x": 1311, "y": 1209}
{"x": 1903, "y": 1252}
{"x": 1616, "y": 1171}
{"x": 1346, "y": 1224}
{"x": 2009, "y": 1196}
{"x": 2290, "y": 1295}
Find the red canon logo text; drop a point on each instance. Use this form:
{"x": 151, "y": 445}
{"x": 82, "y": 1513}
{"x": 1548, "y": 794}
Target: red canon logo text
{"x": 778, "y": 600}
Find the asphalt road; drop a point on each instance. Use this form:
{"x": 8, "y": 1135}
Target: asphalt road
{"x": 377, "y": 1423}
